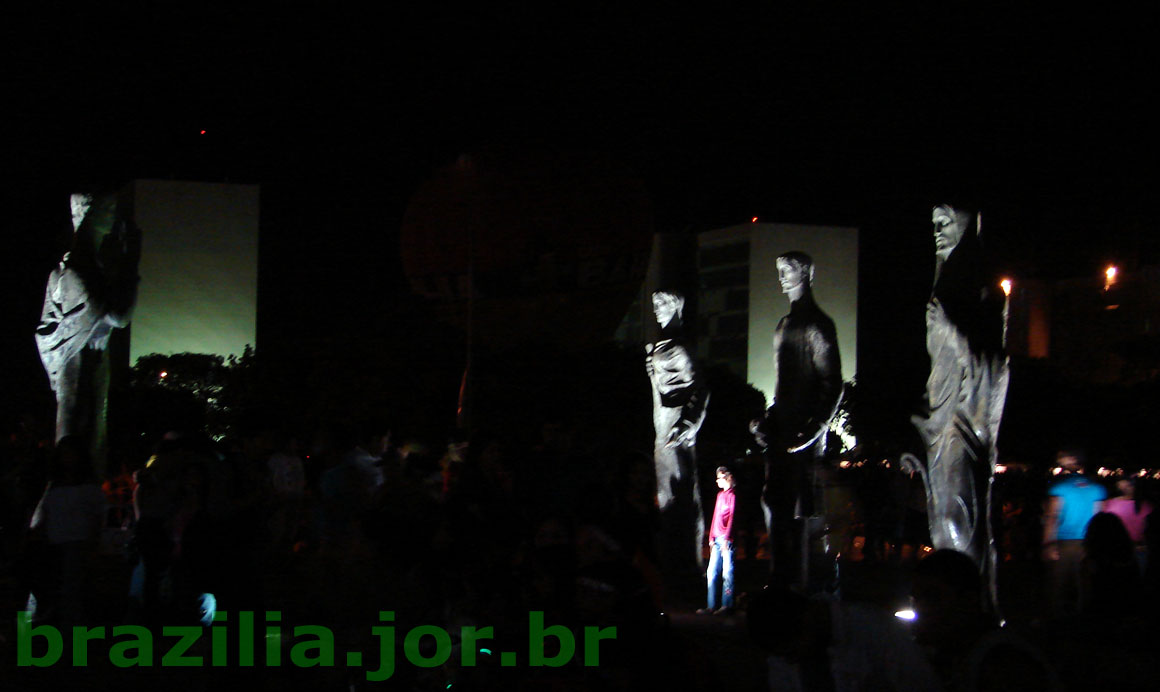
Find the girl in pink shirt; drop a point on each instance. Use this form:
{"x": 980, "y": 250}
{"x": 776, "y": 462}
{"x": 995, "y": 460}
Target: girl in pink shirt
{"x": 720, "y": 570}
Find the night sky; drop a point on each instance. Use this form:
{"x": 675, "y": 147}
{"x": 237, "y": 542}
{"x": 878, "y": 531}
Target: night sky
{"x": 861, "y": 117}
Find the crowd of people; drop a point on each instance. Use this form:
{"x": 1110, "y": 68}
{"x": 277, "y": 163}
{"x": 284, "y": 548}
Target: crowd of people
{"x": 483, "y": 530}
{"x": 339, "y": 522}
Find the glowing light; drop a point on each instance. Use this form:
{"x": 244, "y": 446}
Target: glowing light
{"x": 906, "y": 614}
{"x": 208, "y": 608}
{"x": 163, "y": 374}
{"x": 1000, "y": 468}
{"x": 1006, "y": 285}
{"x": 753, "y": 220}
{"x": 485, "y": 651}
{"x": 202, "y": 132}
{"x": 1104, "y": 472}
{"x": 1057, "y": 470}
{"x": 1111, "y": 273}
{"x": 844, "y": 464}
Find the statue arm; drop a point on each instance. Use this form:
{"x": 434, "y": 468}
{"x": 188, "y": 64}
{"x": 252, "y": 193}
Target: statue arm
{"x": 651, "y": 371}
{"x": 121, "y": 289}
{"x": 944, "y": 344}
{"x": 826, "y": 361}
{"x": 684, "y": 432}
{"x": 66, "y": 322}
{"x": 692, "y": 417}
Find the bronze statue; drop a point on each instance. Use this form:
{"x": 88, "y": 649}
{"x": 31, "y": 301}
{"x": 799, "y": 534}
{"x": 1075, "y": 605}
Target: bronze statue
{"x": 809, "y": 389}
{"x": 795, "y": 429}
{"x": 965, "y": 393}
{"x": 679, "y": 404}
{"x": 91, "y": 293}
{"x": 809, "y": 366}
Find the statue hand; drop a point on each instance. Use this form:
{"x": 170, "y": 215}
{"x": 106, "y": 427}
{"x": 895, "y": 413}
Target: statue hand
{"x": 801, "y": 441}
{"x": 681, "y": 434}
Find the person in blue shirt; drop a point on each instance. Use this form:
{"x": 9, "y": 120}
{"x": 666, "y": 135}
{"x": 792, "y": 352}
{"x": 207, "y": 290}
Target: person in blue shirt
{"x": 1072, "y": 501}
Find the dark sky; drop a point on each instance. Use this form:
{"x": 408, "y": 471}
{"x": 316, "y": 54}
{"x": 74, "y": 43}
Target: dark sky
{"x": 1043, "y": 119}
{"x": 863, "y": 117}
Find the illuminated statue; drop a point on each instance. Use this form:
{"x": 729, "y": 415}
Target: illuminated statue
{"x": 809, "y": 388}
{"x": 679, "y": 402}
{"x": 965, "y": 392}
{"x": 90, "y": 294}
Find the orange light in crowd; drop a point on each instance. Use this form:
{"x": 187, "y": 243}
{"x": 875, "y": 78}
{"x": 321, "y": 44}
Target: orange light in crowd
{"x": 753, "y": 220}
{"x": 1006, "y": 285}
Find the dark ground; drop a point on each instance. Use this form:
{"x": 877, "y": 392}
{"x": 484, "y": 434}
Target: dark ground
{"x": 690, "y": 652}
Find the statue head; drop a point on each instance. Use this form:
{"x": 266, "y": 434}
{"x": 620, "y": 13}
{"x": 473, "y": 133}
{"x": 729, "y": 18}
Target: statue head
{"x": 80, "y": 203}
{"x": 666, "y": 305}
{"x": 94, "y": 218}
{"x": 795, "y": 273}
{"x": 950, "y": 225}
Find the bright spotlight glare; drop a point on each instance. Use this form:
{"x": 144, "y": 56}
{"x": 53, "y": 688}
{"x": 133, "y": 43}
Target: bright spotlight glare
{"x": 208, "y": 607}
{"x": 1006, "y": 284}
{"x": 907, "y": 614}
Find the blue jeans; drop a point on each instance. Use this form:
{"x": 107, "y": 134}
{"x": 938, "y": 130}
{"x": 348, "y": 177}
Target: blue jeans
{"x": 721, "y": 570}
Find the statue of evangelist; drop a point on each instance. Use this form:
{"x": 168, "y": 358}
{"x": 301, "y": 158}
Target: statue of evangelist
{"x": 679, "y": 403}
{"x": 809, "y": 388}
{"x": 90, "y": 294}
{"x": 965, "y": 393}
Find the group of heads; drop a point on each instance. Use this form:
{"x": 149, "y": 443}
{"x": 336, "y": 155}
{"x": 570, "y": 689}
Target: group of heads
{"x": 795, "y": 272}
